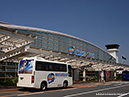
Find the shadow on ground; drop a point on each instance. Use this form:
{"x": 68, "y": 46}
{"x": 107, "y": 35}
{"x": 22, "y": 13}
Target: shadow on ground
{"x": 38, "y": 90}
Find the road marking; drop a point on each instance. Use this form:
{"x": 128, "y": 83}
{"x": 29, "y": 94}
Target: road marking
{"x": 30, "y": 94}
{"x": 68, "y": 89}
{"x": 118, "y": 84}
{"x": 93, "y": 91}
{"x": 45, "y": 92}
{"x": 7, "y": 94}
{"x": 123, "y": 82}
{"x": 123, "y": 94}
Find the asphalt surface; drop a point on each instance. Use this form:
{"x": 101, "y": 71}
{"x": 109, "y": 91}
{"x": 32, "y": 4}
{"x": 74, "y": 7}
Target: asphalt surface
{"x": 116, "y": 89}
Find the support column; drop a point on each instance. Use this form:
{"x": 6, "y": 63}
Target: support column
{"x": 76, "y": 74}
{"x": 102, "y": 76}
{"x": 114, "y": 75}
{"x": 84, "y": 75}
{"x": 99, "y": 76}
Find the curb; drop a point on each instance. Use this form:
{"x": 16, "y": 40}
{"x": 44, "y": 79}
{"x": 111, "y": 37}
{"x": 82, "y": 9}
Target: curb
{"x": 8, "y": 90}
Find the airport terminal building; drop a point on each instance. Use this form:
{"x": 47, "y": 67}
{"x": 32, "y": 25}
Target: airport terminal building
{"x": 17, "y": 42}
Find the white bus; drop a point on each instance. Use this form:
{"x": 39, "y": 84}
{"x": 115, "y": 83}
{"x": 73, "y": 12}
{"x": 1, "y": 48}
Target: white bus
{"x": 36, "y": 72}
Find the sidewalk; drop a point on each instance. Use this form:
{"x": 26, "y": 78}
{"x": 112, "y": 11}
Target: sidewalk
{"x": 88, "y": 84}
{"x": 8, "y": 88}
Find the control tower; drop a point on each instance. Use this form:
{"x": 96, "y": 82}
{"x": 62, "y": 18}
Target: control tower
{"x": 112, "y": 49}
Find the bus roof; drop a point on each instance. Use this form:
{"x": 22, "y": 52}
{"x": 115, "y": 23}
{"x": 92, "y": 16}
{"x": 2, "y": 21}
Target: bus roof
{"x": 42, "y": 59}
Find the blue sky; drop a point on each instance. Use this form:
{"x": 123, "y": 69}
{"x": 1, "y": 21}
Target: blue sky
{"x": 98, "y": 21}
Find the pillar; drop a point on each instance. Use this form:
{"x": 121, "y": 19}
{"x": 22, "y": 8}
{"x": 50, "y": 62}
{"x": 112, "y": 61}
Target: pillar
{"x": 99, "y": 76}
{"x": 102, "y": 76}
{"x": 76, "y": 74}
{"x": 84, "y": 75}
{"x": 114, "y": 75}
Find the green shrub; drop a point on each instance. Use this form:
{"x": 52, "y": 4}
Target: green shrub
{"x": 92, "y": 78}
{"x": 14, "y": 81}
{"x": 119, "y": 77}
{"x": 8, "y": 82}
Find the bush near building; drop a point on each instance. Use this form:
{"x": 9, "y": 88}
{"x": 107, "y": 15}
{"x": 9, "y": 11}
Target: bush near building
{"x": 8, "y": 82}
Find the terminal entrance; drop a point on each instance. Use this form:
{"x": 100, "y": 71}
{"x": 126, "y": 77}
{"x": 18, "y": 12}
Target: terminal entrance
{"x": 99, "y": 76}
{"x": 90, "y": 75}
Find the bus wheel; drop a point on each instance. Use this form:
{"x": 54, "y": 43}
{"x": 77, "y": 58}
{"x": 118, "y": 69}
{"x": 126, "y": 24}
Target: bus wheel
{"x": 65, "y": 84}
{"x": 43, "y": 86}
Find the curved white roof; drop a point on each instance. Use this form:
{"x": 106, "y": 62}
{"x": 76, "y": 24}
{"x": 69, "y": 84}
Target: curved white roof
{"x": 43, "y": 30}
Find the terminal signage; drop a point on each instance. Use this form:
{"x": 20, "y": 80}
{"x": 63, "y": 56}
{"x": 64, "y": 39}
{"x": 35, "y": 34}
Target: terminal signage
{"x": 80, "y": 53}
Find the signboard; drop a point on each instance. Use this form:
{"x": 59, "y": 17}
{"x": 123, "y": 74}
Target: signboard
{"x": 72, "y": 50}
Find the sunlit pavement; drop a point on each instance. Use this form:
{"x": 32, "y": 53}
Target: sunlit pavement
{"x": 21, "y": 91}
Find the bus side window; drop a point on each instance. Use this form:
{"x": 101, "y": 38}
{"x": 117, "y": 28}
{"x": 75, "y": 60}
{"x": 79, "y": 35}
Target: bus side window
{"x": 69, "y": 71}
{"x": 50, "y": 67}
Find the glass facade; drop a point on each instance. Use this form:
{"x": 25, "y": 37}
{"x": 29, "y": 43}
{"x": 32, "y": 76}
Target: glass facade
{"x": 8, "y": 69}
{"x": 62, "y": 43}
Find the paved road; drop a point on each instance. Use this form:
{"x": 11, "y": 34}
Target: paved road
{"x": 116, "y": 89}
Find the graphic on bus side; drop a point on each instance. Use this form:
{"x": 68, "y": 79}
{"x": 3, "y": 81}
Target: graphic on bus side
{"x": 51, "y": 78}
{"x": 26, "y": 66}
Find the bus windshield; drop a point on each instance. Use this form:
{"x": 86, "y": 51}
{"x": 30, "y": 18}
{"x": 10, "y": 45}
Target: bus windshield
{"x": 26, "y": 66}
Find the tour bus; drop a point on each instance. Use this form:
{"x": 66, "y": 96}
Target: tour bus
{"x": 36, "y": 72}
